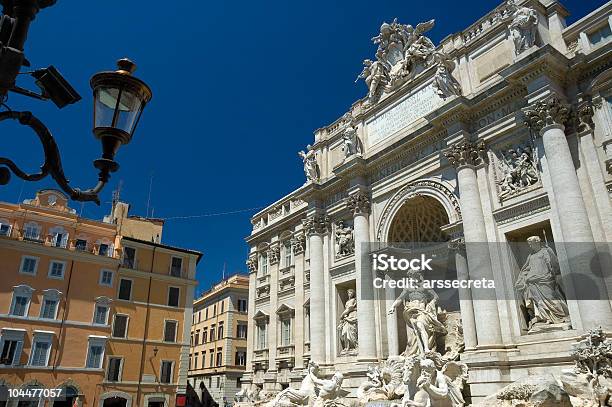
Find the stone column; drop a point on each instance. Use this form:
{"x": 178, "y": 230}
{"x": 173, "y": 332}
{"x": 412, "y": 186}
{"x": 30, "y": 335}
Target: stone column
{"x": 315, "y": 227}
{"x": 465, "y": 156}
{"x": 359, "y": 204}
{"x": 251, "y": 338}
{"x": 392, "y": 323}
{"x": 547, "y": 118}
{"x": 465, "y": 295}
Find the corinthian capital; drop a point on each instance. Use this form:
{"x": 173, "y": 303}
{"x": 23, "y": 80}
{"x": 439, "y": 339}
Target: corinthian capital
{"x": 252, "y": 263}
{"x": 546, "y": 112}
{"x": 466, "y": 153}
{"x": 316, "y": 224}
{"x": 359, "y": 203}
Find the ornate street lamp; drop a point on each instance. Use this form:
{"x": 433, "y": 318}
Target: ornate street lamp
{"x": 119, "y": 100}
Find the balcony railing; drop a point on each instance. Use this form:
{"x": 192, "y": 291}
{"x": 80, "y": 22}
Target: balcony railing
{"x": 260, "y": 354}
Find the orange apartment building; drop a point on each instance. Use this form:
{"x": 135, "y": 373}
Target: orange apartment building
{"x": 219, "y": 338}
{"x": 101, "y": 310}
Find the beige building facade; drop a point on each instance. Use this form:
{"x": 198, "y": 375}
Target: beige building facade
{"x": 501, "y": 132}
{"x": 100, "y": 314}
{"x": 217, "y": 356}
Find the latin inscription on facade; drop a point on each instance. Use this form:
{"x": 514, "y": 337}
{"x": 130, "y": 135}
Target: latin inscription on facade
{"x": 413, "y": 107}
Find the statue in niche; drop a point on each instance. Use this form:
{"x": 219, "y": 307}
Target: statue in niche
{"x": 523, "y": 27}
{"x": 420, "y": 315}
{"x": 518, "y": 169}
{"x": 311, "y": 168}
{"x": 347, "y": 327}
{"x": 345, "y": 241}
{"x": 538, "y": 282}
{"x": 444, "y": 83}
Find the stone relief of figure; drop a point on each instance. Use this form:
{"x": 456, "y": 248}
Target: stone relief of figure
{"x": 523, "y": 27}
{"x": 311, "y": 168}
{"x": 518, "y": 171}
{"x": 538, "y": 282}
{"x": 345, "y": 242}
{"x": 444, "y": 83}
{"x": 347, "y": 327}
{"x": 420, "y": 315}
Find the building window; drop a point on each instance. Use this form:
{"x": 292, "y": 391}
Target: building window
{"x": 212, "y": 333}
{"x": 106, "y": 278}
{"x": 242, "y": 331}
{"x": 59, "y": 237}
{"x": 600, "y": 35}
{"x": 263, "y": 264}
{"x": 176, "y": 266}
{"x": 125, "y": 289}
{"x": 173, "y": 296}
{"x": 11, "y": 345}
{"x": 212, "y": 358}
{"x": 214, "y": 310}
{"x": 203, "y": 359}
{"x": 286, "y": 332}
{"x": 29, "y": 265}
{"x": 240, "y": 358}
{"x": 31, "y": 231}
{"x": 50, "y": 303}
{"x": 56, "y": 269}
{"x": 120, "y": 326}
{"x": 197, "y": 338}
{"x": 114, "y": 369}
{"x": 206, "y": 317}
{"x": 41, "y": 348}
{"x": 220, "y": 331}
{"x": 219, "y": 357}
{"x": 242, "y": 305}
{"x": 81, "y": 245}
{"x": 101, "y": 315}
{"x": 129, "y": 258}
{"x": 170, "y": 331}
{"x": 204, "y": 335}
{"x": 22, "y": 295}
{"x": 222, "y": 306}
{"x": 165, "y": 375}
{"x": 195, "y": 361}
{"x": 104, "y": 249}
{"x": 262, "y": 340}
{"x": 288, "y": 255}
{"x": 5, "y": 228}
{"x": 95, "y": 352}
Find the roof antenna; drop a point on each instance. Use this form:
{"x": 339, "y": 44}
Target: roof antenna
{"x": 149, "y": 198}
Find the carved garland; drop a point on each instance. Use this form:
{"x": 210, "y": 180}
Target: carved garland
{"x": 408, "y": 191}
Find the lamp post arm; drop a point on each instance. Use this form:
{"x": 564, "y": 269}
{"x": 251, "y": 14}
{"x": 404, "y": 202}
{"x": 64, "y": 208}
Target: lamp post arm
{"x": 53, "y": 163}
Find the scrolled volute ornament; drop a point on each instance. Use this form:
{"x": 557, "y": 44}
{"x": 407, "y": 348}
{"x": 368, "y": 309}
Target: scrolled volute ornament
{"x": 359, "y": 203}
{"x": 546, "y": 112}
{"x": 466, "y": 153}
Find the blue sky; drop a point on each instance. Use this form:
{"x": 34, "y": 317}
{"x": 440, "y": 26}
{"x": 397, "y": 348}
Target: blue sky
{"x": 238, "y": 88}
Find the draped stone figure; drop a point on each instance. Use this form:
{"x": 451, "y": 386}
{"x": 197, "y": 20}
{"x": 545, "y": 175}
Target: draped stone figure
{"x": 538, "y": 282}
{"x": 311, "y": 168}
{"x": 347, "y": 327}
{"x": 420, "y": 316}
{"x": 523, "y": 27}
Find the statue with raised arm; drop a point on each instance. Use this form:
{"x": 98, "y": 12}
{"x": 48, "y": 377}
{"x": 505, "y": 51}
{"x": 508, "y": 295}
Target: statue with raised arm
{"x": 311, "y": 168}
{"x": 523, "y": 27}
{"x": 291, "y": 397}
{"x": 420, "y": 315}
{"x": 375, "y": 74}
{"x": 347, "y": 327}
{"x": 328, "y": 391}
{"x": 538, "y": 282}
